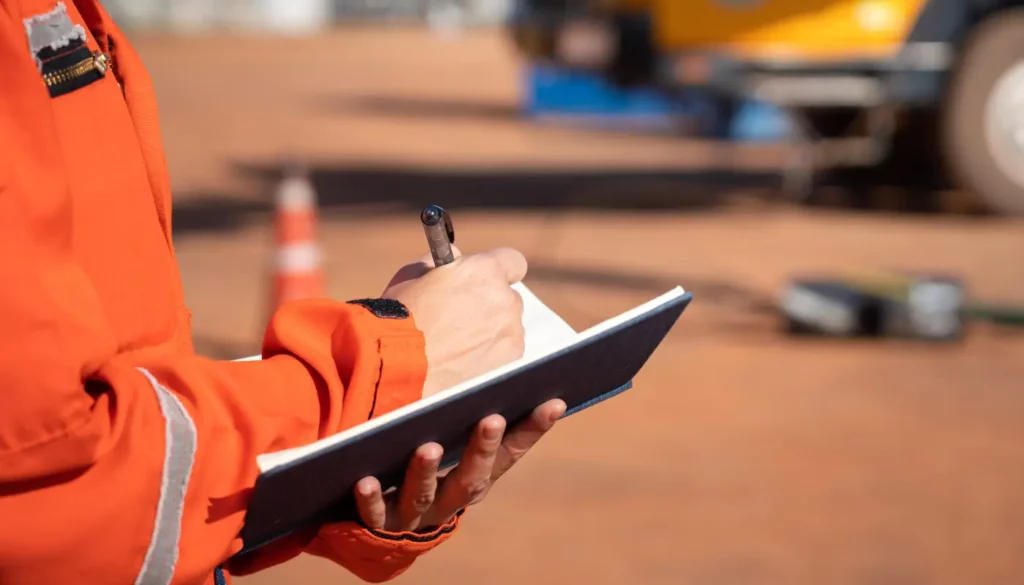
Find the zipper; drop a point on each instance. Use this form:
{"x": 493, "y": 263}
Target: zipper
{"x": 112, "y": 63}
{"x": 98, "y": 62}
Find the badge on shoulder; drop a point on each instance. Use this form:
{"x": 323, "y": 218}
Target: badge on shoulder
{"x": 61, "y": 53}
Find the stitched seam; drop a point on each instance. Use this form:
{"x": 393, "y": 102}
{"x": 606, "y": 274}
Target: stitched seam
{"x": 84, "y": 418}
{"x": 421, "y": 538}
{"x": 380, "y": 376}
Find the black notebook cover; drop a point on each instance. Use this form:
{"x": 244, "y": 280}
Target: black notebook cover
{"x": 317, "y": 488}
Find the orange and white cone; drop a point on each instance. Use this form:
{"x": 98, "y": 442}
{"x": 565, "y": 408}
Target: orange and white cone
{"x": 298, "y": 273}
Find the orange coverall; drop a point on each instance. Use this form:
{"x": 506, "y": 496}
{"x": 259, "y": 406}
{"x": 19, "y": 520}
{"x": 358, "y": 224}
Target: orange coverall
{"x": 124, "y": 456}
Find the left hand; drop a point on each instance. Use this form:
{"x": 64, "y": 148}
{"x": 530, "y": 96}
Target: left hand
{"x": 426, "y": 500}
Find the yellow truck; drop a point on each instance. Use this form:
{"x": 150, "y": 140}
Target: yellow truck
{"x": 923, "y": 82}
{"x": 932, "y": 85}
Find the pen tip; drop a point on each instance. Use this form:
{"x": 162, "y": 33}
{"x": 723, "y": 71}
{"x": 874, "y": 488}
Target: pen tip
{"x": 431, "y": 215}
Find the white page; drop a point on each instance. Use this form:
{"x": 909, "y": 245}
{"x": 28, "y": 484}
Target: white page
{"x": 543, "y": 327}
{"x": 543, "y": 347}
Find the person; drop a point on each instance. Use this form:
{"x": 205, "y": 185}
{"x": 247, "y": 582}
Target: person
{"x": 124, "y": 456}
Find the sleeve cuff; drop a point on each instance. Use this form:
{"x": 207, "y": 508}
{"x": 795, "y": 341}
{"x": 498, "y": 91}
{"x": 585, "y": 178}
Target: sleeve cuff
{"x": 361, "y": 362}
{"x": 377, "y": 555}
{"x": 403, "y": 370}
{"x": 417, "y": 540}
{"x": 402, "y": 352}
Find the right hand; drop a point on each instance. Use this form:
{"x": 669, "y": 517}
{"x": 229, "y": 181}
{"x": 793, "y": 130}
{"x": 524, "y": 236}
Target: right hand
{"x": 470, "y": 317}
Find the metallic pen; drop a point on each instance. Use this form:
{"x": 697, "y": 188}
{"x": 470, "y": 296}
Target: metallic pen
{"x": 437, "y": 225}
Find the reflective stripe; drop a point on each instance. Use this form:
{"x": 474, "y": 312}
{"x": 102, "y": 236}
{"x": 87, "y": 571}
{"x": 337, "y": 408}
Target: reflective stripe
{"x": 179, "y": 456}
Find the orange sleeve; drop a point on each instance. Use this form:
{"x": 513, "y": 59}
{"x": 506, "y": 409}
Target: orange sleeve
{"x": 374, "y": 556}
{"x": 153, "y": 449}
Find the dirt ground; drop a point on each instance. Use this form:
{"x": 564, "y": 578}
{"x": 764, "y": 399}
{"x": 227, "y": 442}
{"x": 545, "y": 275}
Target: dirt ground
{"x": 740, "y": 457}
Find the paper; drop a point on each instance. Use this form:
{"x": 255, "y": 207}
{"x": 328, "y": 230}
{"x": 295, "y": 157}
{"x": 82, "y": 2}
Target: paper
{"x": 543, "y": 327}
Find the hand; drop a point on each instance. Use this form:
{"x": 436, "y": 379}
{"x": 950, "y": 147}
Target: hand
{"x": 426, "y": 500}
{"x": 470, "y": 317}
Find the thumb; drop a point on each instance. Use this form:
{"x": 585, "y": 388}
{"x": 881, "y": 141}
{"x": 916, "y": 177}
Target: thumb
{"x": 418, "y": 268}
{"x": 428, "y": 261}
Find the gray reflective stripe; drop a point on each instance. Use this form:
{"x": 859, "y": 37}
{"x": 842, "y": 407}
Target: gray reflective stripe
{"x": 179, "y": 456}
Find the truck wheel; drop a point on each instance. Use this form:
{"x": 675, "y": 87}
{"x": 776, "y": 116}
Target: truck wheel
{"x": 983, "y": 115}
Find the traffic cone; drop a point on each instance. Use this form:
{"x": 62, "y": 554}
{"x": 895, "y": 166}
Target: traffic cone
{"x": 298, "y": 273}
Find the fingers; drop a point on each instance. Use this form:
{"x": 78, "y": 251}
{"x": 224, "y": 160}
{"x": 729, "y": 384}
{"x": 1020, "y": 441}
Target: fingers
{"x": 417, "y": 268}
{"x": 525, "y": 435}
{"x": 370, "y": 503}
{"x": 469, "y": 482}
{"x": 417, "y": 493}
{"x": 509, "y": 261}
{"x": 489, "y": 455}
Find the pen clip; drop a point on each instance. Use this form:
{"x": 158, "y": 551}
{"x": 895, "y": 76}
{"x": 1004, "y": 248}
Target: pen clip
{"x": 449, "y": 229}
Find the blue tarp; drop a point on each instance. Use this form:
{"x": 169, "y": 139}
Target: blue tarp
{"x": 549, "y": 91}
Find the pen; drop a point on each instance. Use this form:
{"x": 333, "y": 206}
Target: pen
{"x": 437, "y": 225}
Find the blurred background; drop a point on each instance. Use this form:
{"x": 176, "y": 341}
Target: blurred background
{"x": 838, "y": 182}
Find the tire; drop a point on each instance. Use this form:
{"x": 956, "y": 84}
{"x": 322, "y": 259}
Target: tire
{"x": 979, "y": 154}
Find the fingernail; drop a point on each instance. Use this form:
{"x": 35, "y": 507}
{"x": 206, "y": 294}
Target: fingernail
{"x": 492, "y": 432}
{"x": 431, "y": 453}
{"x": 558, "y": 412}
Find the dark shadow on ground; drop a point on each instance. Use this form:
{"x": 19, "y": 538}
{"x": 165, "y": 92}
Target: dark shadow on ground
{"x": 907, "y": 186}
{"x": 387, "y": 190}
{"x": 393, "y": 190}
{"x": 913, "y": 169}
{"x": 213, "y": 212}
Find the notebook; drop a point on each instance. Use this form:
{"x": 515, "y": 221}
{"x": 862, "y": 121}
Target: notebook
{"x": 312, "y": 484}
